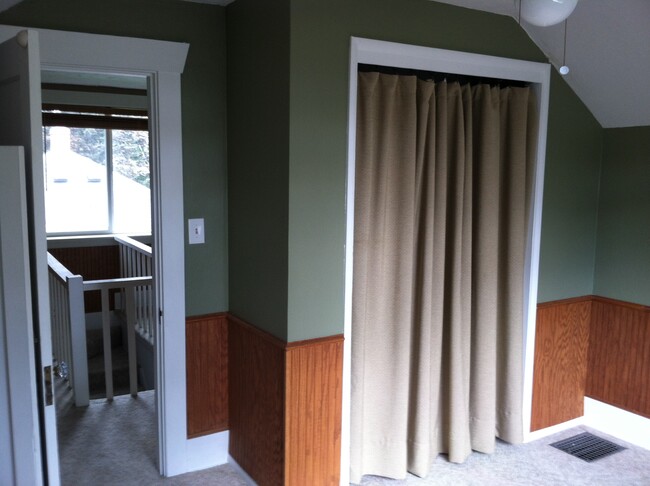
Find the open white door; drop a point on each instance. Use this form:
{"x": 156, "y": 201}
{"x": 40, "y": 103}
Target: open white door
{"x": 20, "y": 125}
{"x": 20, "y": 460}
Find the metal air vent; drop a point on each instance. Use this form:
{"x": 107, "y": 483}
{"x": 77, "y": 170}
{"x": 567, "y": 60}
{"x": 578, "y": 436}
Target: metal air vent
{"x": 587, "y": 447}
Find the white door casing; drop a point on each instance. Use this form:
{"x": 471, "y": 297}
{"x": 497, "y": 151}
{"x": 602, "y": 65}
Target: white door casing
{"x": 162, "y": 62}
{"x": 20, "y": 125}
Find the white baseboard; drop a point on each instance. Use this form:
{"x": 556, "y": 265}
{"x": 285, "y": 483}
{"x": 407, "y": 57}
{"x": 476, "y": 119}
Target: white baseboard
{"x": 618, "y": 423}
{"x": 608, "y": 419}
{"x": 241, "y": 471}
{"x": 539, "y": 434}
{"x": 207, "y": 451}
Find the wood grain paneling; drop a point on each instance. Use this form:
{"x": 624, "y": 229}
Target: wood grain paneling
{"x": 285, "y": 407}
{"x": 561, "y": 351}
{"x": 256, "y": 410}
{"x": 619, "y": 355}
{"x": 314, "y": 372}
{"x": 207, "y": 374}
{"x": 92, "y": 263}
{"x": 590, "y": 346}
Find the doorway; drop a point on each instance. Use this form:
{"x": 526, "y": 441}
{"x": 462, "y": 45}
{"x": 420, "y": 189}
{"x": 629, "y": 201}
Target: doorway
{"x": 162, "y": 64}
{"x": 98, "y": 186}
{"x": 379, "y": 53}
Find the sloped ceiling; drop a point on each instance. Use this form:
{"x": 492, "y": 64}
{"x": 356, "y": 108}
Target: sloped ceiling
{"x": 608, "y": 53}
{"x": 5, "y": 4}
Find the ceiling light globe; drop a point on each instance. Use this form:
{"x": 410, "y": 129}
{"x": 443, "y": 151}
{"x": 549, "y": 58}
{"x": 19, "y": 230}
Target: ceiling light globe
{"x": 546, "y": 12}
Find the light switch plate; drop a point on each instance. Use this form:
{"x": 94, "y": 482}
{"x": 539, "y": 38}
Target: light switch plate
{"x": 196, "y": 231}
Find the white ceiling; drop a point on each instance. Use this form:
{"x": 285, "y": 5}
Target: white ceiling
{"x": 608, "y": 53}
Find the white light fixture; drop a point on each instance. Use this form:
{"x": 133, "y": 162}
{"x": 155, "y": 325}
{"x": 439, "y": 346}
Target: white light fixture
{"x": 564, "y": 69}
{"x": 546, "y": 12}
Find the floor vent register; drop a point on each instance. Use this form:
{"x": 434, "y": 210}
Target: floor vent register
{"x": 588, "y": 447}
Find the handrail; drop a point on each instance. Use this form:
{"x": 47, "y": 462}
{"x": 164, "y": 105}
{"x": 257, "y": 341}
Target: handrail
{"x": 136, "y": 260}
{"x": 58, "y": 268}
{"x": 129, "y": 286}
{"x": 68, "y": 316}
{"x": 116, "y": 283}
{"x": 69, "y": 327}
{"x": 134, "y": 244}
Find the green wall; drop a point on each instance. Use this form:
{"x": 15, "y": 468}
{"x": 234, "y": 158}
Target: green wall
{"x": 258, "y": 161}
{"x": 320, "y": 39}
{"x": 203, "y": 105}
{"x": 279, "y": 262}
{"x": 623, "y": 247}
{"x": 570, "y": 209}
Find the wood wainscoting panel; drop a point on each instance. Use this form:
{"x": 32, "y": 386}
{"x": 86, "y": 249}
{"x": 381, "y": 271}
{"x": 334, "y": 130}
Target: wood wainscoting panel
{"x": 561, "y": 354}
{"x": 285, "y": 407}
{"x": 256, "y": 409}
{"x": 314, "y": 374}
{"x": 206, "y": 342}
{"x": 619, "y": 355}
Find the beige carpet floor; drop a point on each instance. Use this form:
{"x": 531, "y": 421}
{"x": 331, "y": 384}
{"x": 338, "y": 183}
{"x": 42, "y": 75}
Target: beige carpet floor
{"x": 535, "y": 464}
{"x": 115, "y": 444}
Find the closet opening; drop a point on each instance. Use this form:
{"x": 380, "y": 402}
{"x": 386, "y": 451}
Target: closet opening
{"x": 428, "y": 63}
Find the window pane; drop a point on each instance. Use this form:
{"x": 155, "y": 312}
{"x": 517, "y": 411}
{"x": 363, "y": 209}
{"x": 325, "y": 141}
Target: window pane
{"x": 131, "y": 179}
{"x": 76, "y": 190}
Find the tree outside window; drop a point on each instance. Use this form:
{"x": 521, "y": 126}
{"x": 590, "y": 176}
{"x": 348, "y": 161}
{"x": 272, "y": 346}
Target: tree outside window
{"x": 97, "y": 181}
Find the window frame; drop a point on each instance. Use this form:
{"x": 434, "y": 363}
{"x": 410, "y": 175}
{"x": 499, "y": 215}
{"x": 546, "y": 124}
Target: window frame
{"x": 99, "y": 118}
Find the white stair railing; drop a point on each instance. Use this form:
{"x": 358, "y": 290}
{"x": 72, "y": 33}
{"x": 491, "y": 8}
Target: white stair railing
{"x": 136, "y": 261}
{"x": 69, "y": 322}
{"x": 128, "y": 287}
{"x": 69, "y": 328}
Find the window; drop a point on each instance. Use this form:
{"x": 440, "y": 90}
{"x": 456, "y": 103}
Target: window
{"x": 97, "y": 175}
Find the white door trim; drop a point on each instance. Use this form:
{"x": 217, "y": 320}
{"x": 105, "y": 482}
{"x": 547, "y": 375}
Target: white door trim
{"x": 162, "y": 62}
{"x": 367, "y": 51}
{"x": 19, "y": 438}
{"x": 20, "y": 73}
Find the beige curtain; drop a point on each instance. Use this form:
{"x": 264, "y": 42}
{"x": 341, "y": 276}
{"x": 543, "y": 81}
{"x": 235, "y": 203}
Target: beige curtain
{"x": 442, "y": 195}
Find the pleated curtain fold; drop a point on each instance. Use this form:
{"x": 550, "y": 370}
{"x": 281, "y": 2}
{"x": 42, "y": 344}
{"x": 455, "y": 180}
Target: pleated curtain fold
{"x": 443, "y": 187}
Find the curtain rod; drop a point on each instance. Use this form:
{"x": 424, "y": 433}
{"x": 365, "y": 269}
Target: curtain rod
{"x": 439, "y": 77}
